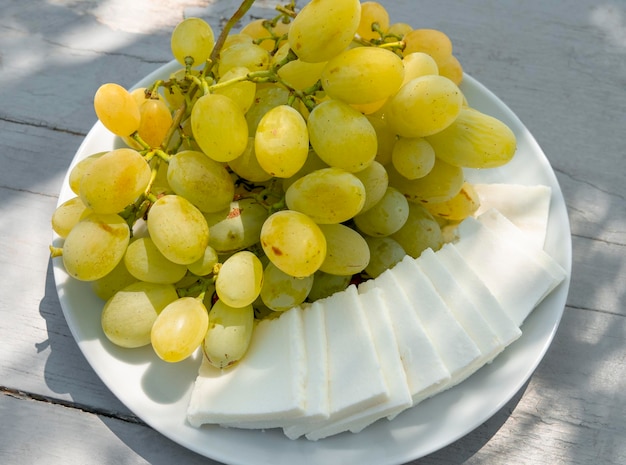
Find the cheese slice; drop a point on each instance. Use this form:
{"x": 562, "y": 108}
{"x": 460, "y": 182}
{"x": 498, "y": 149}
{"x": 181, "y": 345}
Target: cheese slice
{"x": 383, "y": 340}
{"x": 528, "y": 207}
{"x": 266, "y": 387}
{"x": 514, "y": 275}
{"x": 461, "y": 307}
{"x": 477, "y": 293}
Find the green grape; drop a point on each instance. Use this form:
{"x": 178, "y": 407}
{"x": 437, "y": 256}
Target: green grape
{"x": 342, "y": 136}
{"x": 385, "y": 136}
{"x": 293, "y": 242}
{"x": 194, "y": 38}
{"x": 239, "y": 279}
{"x": 241, "y": 92}
{"x": 413, "y": 157}
{"x": 250, "y": 56}
{"x": 420, "y": 232}
{"x": 313, "y": 163}
{"x": 179, "y": 329}
{"x": 247, "y": 166}
{"x": 325, "y": 285}
{"x": 418, "y": 64}
{"x": 76, "y": 173}
{"x": 363, "y": 75}
{"x": 237, "y": 227}
{"x": 443, "y": 182}
{"x": 229, "y": 334}
{"x": 219, "y": 127}
{"x": 459, "y": 207}
{"x": 372, "y": 12}
{"x": 145, "y": 262}
{"x": 431, "y": 41}
{"x": 67, "y": 215}
{"x": 237, "y": 38}
{"x": 206, "y": 264}
{"x": 324, "y": 28}
{"x": 328, "y": 195}
{"x": 114, "y": 180}
{"x": 116, "y": 109}
{"x": 265, "y": 99}
{"x": 201, "y": 180}
{"x": 385, "y": 252}
{"x": 424, "y": 106}
{"x": 347, "y": 252}
{"x": 178, "y": 229}
{"x": 116, "y": 280}
{"x": 156, "y": 120}
{"x": 281, "y": 142}
{"x": 281, "y": 291}
{"x": 475, "y": 140}
{"x": 386, "y": 217}
{"x": 95, "y": 246}
{"x": 375, "y": 180}
{"x": 301, "y": 75}
{"x": 128, "y": 315}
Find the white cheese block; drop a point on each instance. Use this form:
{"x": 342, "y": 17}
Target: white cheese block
{"x": 477, "y": 293}
{"x": 455, "y": 347}
{"x": 267, "y": 386}
{"x": 461, "y": 307}
{"x": 385, "y": 344}
{"x": 527, "y": 207}
{"x": 513, "y": 274}
{"x": 425, "y": 371}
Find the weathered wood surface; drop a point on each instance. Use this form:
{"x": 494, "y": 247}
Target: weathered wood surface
{"x": 560, "y": 66}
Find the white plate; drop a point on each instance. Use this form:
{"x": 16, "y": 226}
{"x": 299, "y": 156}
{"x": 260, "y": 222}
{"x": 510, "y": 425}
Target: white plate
{"x": 158, "y": 392}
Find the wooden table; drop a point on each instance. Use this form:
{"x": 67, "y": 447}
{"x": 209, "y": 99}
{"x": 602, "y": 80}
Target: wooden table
{"x": 560, "y": 66}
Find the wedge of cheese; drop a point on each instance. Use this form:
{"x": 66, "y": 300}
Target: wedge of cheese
{"x": 265, "y": 388}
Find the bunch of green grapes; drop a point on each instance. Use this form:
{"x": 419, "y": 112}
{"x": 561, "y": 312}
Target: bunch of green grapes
{"x": 276, "y": 166}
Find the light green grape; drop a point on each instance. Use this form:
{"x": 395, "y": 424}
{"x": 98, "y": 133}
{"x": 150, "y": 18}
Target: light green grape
{"x": 179, "y": 329}
{"x": 324, "y": 28}
{"x": 266, "y": 98}
{"x": 442, "y": 183}
{"x": 219, "y": 127}
{"x": 325, "y": 285}
{"x": 194, "y": 38}
{"x": 281, "y": 142}
{"x": 347, "y": 252}
{"x": 178, "y": 229}
{"x": 475, "y": 140}
{"x": 114, "y": 180}
{"x": 201, "y": 180}
{"x": 420, "y": 232}
{"x": 341, "y": 136}
{"x": 229, "y": 334}
{"x": 116, "y": 109}
{"x": 239, "y": 279}
{"x": 385, "y": 252}
{"x": 372, "y": 12}
{"x": 116, "y": 280}
{"x": 293, "y": 242}
{"x": 459, "y": 207}
{"x": 375, "y": 180}
{"x": 76, "y": 173}
{"x": 281, "y": 291}
{"x": 67, "y": 215}
{"x": 418, "y": 64}
{"x": 312, "y": 163}
{"x": 206, "y": 264}
{"x": 247, "y": 166}
{"x": 299, "y": 74}
{"x": 95, "y": 246}
{"x": 363, "y": 75}
{"x": 258, "y": 30}
{"x": 237, "y": 227}
{"x": 247, "y": 55}
{"x": 424, "y": 106}
{"x": 241, "y": 92}
{"x": 413, "y": 157}
{"x": 145, "y": 262}
{"x": 385, "y": 136}
{"x": 328, "y": 195}
{"x": 128, "y": 316}
{"x": 386, "y": 217}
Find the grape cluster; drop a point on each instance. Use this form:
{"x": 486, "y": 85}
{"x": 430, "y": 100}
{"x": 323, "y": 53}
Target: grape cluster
{"x": 277, "y": 165}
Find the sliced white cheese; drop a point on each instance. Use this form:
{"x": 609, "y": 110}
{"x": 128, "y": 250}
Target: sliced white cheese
{"x": 528, "y": 207}
{"x": 383, "y": 340}
{"x": 266, "y": 387}
{"x": 424, "y": 368}
{"x": 461, "y": 307}
{"x": 455, "y": 347}
{"x": 477, "y": 293}
{"x": 513, "y": 274}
